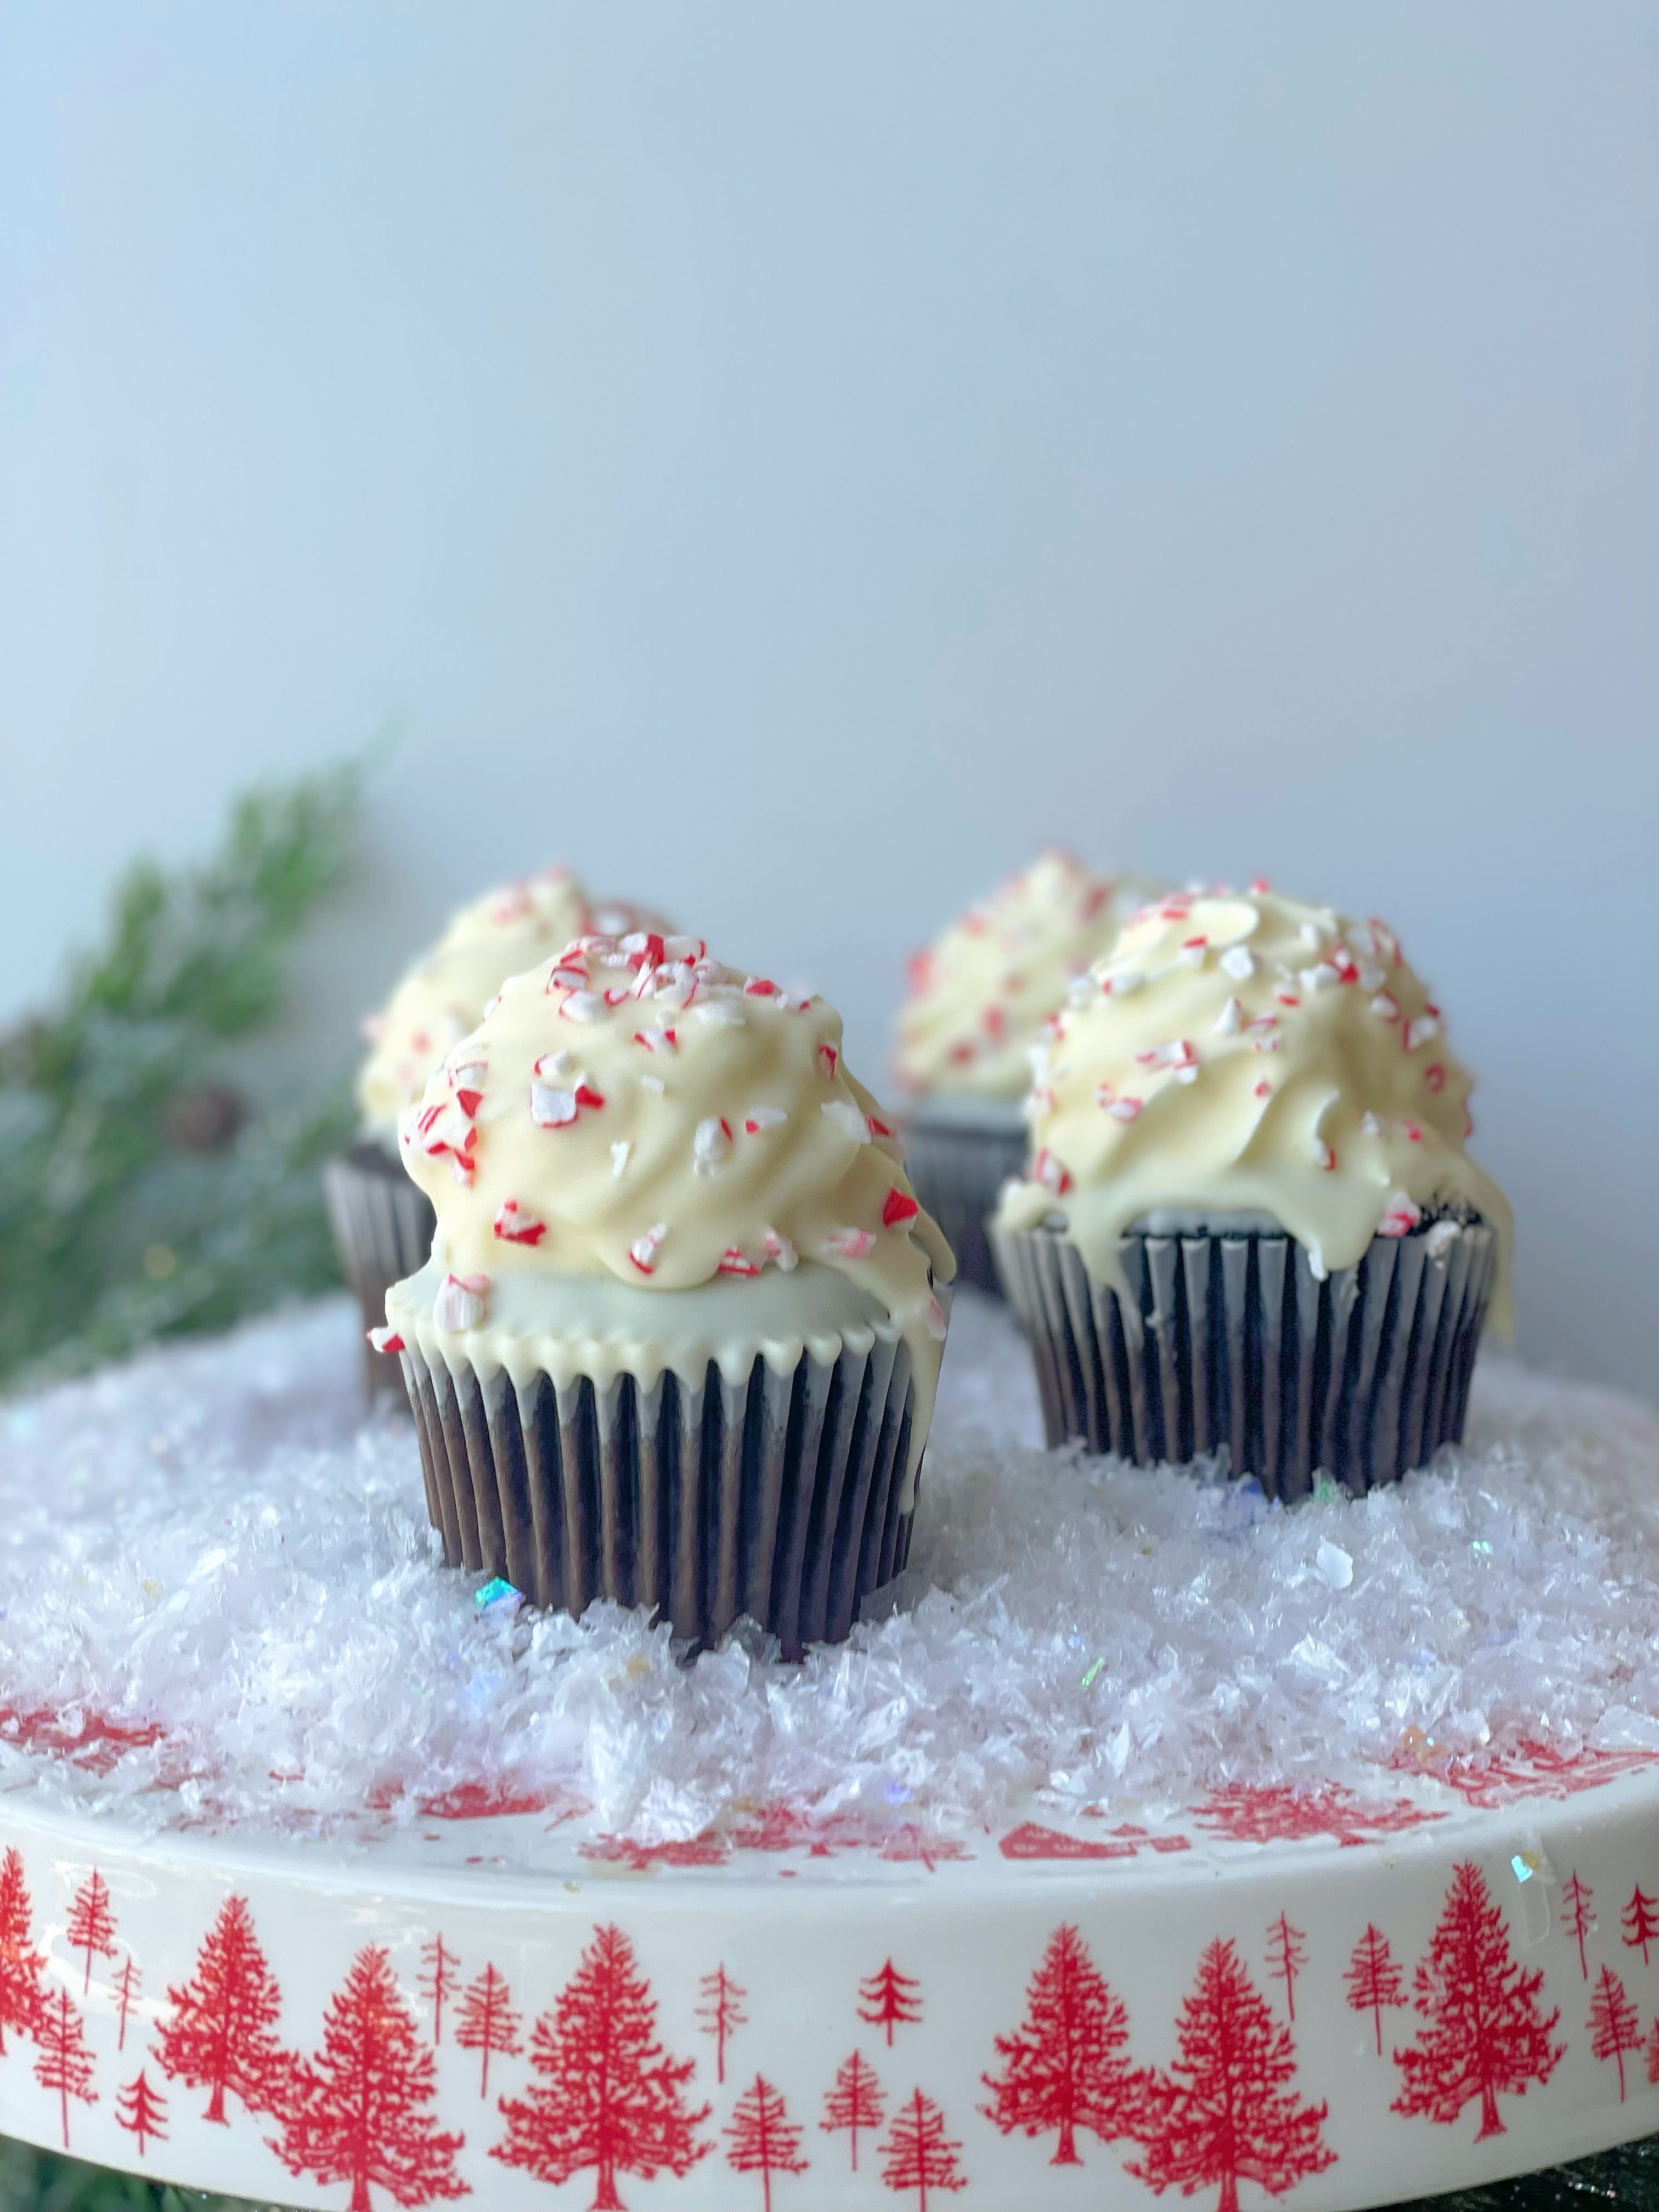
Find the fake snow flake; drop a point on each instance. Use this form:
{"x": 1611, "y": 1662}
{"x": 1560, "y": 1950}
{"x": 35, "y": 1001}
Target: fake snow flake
{"x": 1336, "y": 1566}
{"x": 644, "y": 1249}
{"x": 514, "y": 1226}
{"x": 459, "y": 1304}
{"x": 848, "y": 1119}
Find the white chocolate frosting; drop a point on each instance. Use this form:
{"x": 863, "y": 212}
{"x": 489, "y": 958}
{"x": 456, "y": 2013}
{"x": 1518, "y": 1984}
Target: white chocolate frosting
{"x": 633, "y": 1113}
{"x": 980, "y": 994}
{"x": 1243, "y": 1054}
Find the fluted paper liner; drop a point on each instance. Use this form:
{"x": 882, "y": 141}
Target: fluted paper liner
{"x": 957, "y": 1171}
{"x": 1233, "y": 1342}
{"x": 383, "y": 1225}
{"x": 781, "y": 1498}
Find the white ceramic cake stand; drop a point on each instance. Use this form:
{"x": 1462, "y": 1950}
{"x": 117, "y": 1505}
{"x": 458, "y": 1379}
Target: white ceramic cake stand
{"x": 1266, "y": 1941}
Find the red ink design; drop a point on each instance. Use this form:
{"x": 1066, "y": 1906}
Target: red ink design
{"x": 611, "y": 2097}
{"x": 354, "y": 2117}
{"x": 764, "y": 2138}
{"x": 1031, "y": 1840}
{"x": 219, "y": 2037}
{"x": 1373, "y": 1978}
{"x": 1578, "y": 1897}
{"x": 488, "y": 2023}
{"x": 126, "y": 1989}
{"x": 1483, "y": 2034}
{"x": 1613, "y": 2023}
{"x": 889, "y": 1999}
{"x": 854, "y": 2102}
{"x": 1285, "y": 1955}
{"x": 1068, "y": 2066}
{"x": 483, "y": 1800}
{"x": 1223, "y": 2115}
{"x": 1245, "y": 1814}
{"x": 1640, "y": 1921}
{"x": 909, "y": 1845}
{"x": 1653, "y": 2055}
{"x": 94, "y": 1744}
{"x": 622, "y": 1850}
{"x": 64, "y": 2063}
{"x": 1487, "y": 1780}
{"x": 720, "y": 2012}
{"x": 141, "y": 2111}
{"x": 917, "y": 2154}
{"x": 21, "y": 1963}
{"x": 91, "y": 1924}
{"x": 439, "y": 1981}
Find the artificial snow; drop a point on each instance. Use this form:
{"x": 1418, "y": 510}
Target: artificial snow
{"x": 220, "y": 1603}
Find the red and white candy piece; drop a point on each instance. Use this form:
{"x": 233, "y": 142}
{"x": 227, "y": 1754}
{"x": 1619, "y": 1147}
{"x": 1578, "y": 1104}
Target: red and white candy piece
{"x": 1385, "y": 1006}
{"x": 711, "y": 1146}
{"x": 387, "y": 1340}
{"x": 1238, "y": 961}
{"x": 759, "y": 1118}
{"x": 552, "y": 1107}
{"x": 459, "y": 1304}
{"x": 658, "y": 1039}
{"x": 898, "y": 1205}
{"x": 1420, "y": 1031}
{"x": 644, "y": 1249}
{"x": 935, "y": 1320}
{"x": 1320, "y": 1152}
{"x": 514, "y": 1226}
{"x": 829, "y": 1059}
{"x": 619, "y": 1153}
{"x": 1126, "y": 1109}
{"x": 1400, "y": 1215}
{"x": 1052, "y": 1174}
{"x": 780, "y": 1252}
{"x": 848, "y": 1118}
{"x": 849, "y": 1244}
{"x": 1120, "y": 986}
{"x": 1193, "y": 950}
{"x": 1230, "y": 1020}
{"x": 735, "y": 1262}
{"x": 1435, "y": 1077}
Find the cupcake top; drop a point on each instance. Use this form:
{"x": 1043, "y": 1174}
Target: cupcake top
{"x": 442, "y": 996}
{"x": 1238, "y": 1051}
{"x": 980, "y": 994}
{"x": 634, "y": 1110}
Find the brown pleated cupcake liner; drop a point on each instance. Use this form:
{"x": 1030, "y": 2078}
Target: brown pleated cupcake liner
{"x": 957, "y": 1172}
{"x": 780, "y": 1499}
{"x": 383, "y": 1227}
{"x": 1232, "y": 1343}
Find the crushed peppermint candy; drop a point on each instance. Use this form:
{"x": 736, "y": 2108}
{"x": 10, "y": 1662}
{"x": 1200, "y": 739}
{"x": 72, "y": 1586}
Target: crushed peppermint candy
{"x": 460, "y": 1301}
{"x": 514, "y": 1226}
{"x": 849, "y": 1244}
{"x": 644, "y": 1249}
{"x": 1238, "y": 961}
{"x": 848, "y": 1118}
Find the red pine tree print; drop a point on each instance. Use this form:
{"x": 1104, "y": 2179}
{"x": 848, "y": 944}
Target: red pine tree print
{"x": 1373, "y": 1978}
{"x": 355, "y": 2115}
{"x": 1482, "y": 2034}
{"x": 1640, "y": 1921}
{"x": 1223, "y": 2114}
{"x": 1613, "y": 2023}
{"x": 141, "y": 2111}
{"x": 440, "y": 1978}
{"x": 128, "y": 1983}
{"x": 21, "y": 1963}
{"x": 1068, "y": 2066}
{"x": 91, "y": 1926}
{"x": 1578, "y": 1897}
{"x": 917, "y": 2154}
{"x": 720, "y": 2010}
{"x": 64, "y": 2063}
{"x": 764, "y": 2138}
{"x": 854, "y": 2102}
{"x": 889, "y": 1999}
{"x": 612, "y": 2097}
{"x": 219, "y": 2037}
{"x": 488, "y": 2024}
{"x": 1286, "y": 1953}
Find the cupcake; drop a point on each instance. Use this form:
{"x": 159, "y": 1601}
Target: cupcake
{"x": 678, "y": 1341}
{"x": 978, "y": 999}
{"x": 382, "y": 1223}
{"x": 1248, "y": 1222}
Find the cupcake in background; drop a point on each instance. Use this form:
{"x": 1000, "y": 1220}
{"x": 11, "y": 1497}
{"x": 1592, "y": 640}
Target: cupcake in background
{"x": 1249, "y": 1221}
{"x": 977, "y": 1001}
{"x": 382, "y": 1223}
{"x": 679, "y": 1339}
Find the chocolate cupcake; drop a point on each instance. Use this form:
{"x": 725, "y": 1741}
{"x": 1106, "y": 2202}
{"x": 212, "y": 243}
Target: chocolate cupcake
{"x": 679, "y": 1339}
{"x": 1249, "y": 1224}
{"x": 978, "y": 999}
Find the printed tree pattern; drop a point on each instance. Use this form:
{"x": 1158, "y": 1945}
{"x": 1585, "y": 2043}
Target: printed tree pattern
{"x": 1068, "y": 2066}
{"x": 488, "y": 2023}
{"x": 91, "y": 1926}
{"x": 1578, "y": 1897}
{"x": 854, "y": 2102}
{"x": 219, "y": 2037}
{"x": 1223, "y": 2114}
{"x": 64, "y": 2063}
{"x": 1640, "y": 1921}
{"x": 1373, "y": 1978}
{"x": 1653, "y": 2057}
{"x": 764, "y": 2139}
{"x": 141, "y": 2111}
{"x": 720, "y": 2011}
{"x": 1483, "y": 2034}
{"x": 354, "y": 2116}
{"x": 128, "y": 1983}
{"x": 610, "y": 2098}
{"x": 889, "y": 1999}
{"x": 1247, "y": 1812}
{"x": 1286, "y": 1951}
{"x": 440, "y": 1978}
{"x": 1613, "y": 2023}
{"x": 21, "y": 1963}
{"x": 918, "y": 2153}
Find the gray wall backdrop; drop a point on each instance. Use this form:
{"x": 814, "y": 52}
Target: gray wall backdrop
{"x": 792, "y": 462}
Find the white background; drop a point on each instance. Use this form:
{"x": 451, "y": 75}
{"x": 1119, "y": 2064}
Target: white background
{"x": 792, "y": 462}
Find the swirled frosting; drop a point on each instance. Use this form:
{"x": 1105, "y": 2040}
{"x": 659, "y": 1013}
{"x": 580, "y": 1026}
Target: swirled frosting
{"x": 442, "y": 996}
{"x": 1243, "y": 1053}
{"x": 980, "y": 994}
{"x": 634, "y": 1109}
